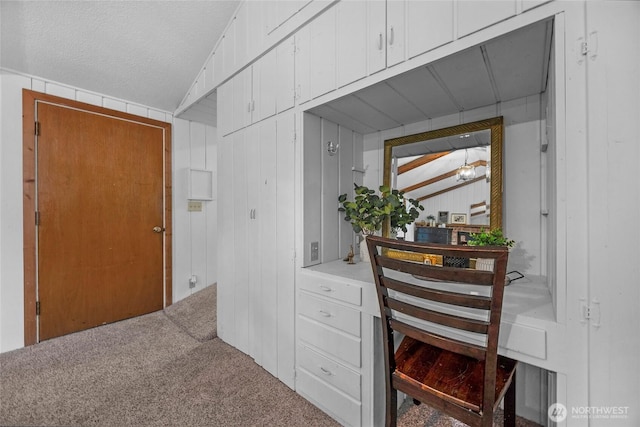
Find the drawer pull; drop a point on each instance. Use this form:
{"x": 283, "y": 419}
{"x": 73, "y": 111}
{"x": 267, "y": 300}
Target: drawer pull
{"x": 324, "y": 313}
{"x": 325, "y": 288}
{"x": 325, "y": 371}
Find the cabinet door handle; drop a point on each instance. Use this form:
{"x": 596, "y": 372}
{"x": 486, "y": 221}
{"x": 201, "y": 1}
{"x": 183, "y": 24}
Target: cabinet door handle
{"x": 380, "y": 41}
{"x": 391, "y": 36}
{"x": 325, "y": 288}
{"x": 325, "y": 371}
{"x": 324, "y": 313}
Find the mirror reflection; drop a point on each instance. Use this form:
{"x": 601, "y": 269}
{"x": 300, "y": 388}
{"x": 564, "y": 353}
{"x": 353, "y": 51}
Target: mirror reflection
{"x": 454, "y": 172}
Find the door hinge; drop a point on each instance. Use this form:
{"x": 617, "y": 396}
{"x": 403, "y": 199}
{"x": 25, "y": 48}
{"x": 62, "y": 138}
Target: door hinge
{"x": 37, "y": 129}
{"x": 37, "y": 215}
{"x": 37, "y": 308}
{"x": 590, "y": 312}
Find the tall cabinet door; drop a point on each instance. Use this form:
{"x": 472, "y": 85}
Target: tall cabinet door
{"x": 268, "y": 321}
{"x": 226, "y": 242}
{"x": 240, "y": 236}
{"x": 254, "y": 243}
{"x": 285, "y": 245}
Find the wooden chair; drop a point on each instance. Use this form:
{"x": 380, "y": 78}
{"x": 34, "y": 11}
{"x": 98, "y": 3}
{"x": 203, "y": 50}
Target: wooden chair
{"x": 450, "y": 320}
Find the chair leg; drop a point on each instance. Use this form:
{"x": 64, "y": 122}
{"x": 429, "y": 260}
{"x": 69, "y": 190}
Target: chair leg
{"x": 510, "y": 404}
{"x": 392, "y": 408}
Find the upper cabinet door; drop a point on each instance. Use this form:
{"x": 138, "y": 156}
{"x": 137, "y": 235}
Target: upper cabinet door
{"x": 396, "y": 26}
{"x": 351, "y": 51}
{"x": 285, "y": 77}
{"x": 474, "y": 15}
{"x": 256, "y": 27}
{"x": 228, "y": 47}
{"x": 377, "y": 35}
{"x": 322, "y": 53}
{"x": 429, "y": 25}
{"x": 263, "y": 102}
{"x": 225, "y": 110}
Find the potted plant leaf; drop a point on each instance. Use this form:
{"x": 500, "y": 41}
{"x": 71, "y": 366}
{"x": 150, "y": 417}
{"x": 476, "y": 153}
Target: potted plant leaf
{"x": 494, "y": 237}
{"x": 370, "y": 209}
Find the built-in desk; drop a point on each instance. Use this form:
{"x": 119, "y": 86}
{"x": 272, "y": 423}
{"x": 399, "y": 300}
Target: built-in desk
{"x": 528, "y": 316}
{"x": 338, "y": 328}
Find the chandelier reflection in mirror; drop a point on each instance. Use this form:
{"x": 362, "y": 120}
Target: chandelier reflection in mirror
{"x": 466, "y": 172}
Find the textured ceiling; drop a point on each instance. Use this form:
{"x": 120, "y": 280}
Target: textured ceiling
{"x": 148, "y": 52}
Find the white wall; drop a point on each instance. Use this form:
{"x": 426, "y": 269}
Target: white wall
{"x": 194, "y": 233}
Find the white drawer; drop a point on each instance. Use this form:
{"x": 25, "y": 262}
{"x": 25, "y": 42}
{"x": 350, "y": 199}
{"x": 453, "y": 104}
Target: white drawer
{"x": 330, "y": 371}
{"x": 337, "y": 404}
{"x": 341, "y": 291}
{"x": 343, "y": 346}
{"x": 339, "y": 316}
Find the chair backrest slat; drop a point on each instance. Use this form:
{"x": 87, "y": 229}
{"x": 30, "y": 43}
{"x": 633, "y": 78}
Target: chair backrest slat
{"x": 446, "y": 343}
{"x": 460, "y": 275}
{"x": 452, "y": 321}
{"x": 427, "y": 299}
{"x": 438, "y": 295}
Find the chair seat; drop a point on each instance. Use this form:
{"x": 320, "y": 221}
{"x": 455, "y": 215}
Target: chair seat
{"x": 451, "y": 376}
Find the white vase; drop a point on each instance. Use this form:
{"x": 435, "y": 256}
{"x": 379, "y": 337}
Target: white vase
{"x": 364, "y": 250}
{"x": 484, "y": 264}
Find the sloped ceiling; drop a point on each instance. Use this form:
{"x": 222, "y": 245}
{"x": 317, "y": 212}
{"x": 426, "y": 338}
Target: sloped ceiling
{"x": 146, "y": 52}
{"x": 509, "y": 67}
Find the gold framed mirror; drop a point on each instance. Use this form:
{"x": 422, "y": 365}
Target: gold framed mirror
{"x": 429, "y": 164}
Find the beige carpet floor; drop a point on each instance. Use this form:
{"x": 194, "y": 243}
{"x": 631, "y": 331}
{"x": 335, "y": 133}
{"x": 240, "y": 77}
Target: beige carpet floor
{"x": 163, "y": 369}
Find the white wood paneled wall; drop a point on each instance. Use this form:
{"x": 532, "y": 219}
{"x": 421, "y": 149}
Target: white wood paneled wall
{"x": 194, "y": 146}
{"x": 195, "y": 233}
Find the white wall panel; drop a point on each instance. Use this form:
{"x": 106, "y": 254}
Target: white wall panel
{"x": 181, "y": 217}
{"x": 329, "y": 249}
{"x": 90, "y": 98}
{"x": 11, "y": 259}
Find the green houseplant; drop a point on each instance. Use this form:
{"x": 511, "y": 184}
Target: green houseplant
{"x": 494, "y": 237}
{"x": 370, "y": 209}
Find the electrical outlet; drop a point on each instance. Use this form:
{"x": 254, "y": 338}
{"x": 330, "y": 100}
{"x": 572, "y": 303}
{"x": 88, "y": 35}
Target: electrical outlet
{"x": 314, "y": 251}
{"x": 194, "y": 206}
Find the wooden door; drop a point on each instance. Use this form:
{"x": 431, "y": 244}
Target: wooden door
{"x": 100, "y": 203}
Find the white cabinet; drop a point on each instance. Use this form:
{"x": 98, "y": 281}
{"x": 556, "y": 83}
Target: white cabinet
{"x": 351, "y": 28}
{"x": 254, "y": 94}
{"x": 429, "y": 25}
{"x": 358, "y": 38}
{"x": 335, "y": 347}
{"x": 474, "y": 15}
{"x": 395, "y": 31}
{"x": 285, "y": 76}
{"x": 258, "y": 91}
{"x": 225, "y": 108}
{"x": 256, "y": 243}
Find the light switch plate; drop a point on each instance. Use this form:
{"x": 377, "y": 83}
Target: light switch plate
{"x": 194, "y": 206}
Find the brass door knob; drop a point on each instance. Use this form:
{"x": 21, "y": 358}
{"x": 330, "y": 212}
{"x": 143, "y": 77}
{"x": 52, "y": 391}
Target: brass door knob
{"x": 157, "y": 229}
